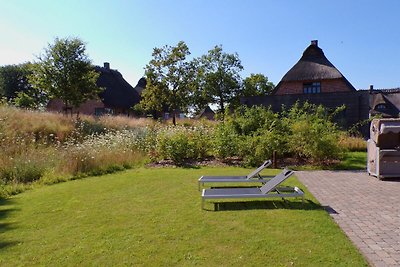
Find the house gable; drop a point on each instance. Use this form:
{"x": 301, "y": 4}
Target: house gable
{"x": 118, "y": 93}
{"x": 313, "y": 67}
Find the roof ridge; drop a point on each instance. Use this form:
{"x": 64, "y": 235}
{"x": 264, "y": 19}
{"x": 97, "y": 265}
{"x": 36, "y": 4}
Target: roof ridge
{"x": 388, "y": 90}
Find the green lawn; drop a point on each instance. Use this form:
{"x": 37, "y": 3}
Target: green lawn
{"x": 353, "y": 161}
{"x": 152, "y": 217}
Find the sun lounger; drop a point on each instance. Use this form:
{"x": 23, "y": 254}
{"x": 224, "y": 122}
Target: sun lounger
{"x": 268, "y": 190}
{"x": 252, "y": 177}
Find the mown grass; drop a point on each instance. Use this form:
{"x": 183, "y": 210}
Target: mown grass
{"x": 152, "y": 217}
{"x": 353, "y": 161}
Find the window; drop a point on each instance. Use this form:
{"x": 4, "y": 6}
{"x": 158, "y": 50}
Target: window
{"x": 312, "y": 88}
{"x": 380, "y": 107}
{"x": 103, "y": 111}
{"x": 99, "y": 111}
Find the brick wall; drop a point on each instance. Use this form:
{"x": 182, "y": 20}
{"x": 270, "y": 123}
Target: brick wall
{"x": 327, "y": 86}
{"x": 88, "y": 108}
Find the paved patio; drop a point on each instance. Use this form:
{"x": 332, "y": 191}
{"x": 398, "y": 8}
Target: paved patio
{"x": 368, "y": 210}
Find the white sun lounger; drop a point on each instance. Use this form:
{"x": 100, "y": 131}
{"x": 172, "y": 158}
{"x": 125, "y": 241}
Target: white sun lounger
{"x": 268, "y": 190}
{"x": 250, "y": 178}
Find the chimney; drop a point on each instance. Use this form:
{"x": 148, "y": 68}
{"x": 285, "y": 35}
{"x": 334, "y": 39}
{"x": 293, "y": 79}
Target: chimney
{"x": 106, "y": 65}
{"x": 371, "y": 89}
{"x": 314, "y": 42}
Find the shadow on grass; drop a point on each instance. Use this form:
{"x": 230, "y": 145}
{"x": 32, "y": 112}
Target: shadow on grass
{"x": 267, "y": 205}
{"x": 4, "y": 212}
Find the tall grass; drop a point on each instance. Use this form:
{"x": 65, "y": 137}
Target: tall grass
{"x": 99, "y": 154}
{"x": 123, "y": 122}
{"x": 353, "y": 144}
{"x": 42, "y": 147}
{"x": 42, "y": 125}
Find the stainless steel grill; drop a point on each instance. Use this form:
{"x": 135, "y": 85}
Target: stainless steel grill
{"x": 384, "y": 148}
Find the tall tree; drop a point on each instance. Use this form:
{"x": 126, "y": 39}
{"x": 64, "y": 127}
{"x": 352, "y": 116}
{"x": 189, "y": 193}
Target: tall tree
{"x": 199, "y": 97}
{"x": 65, "y": 72}
{"x": 168, "y": 75}
{"x": 14, "y": 79}
{"x": 15, "y": 86}
{"x": 221, "y": 76}
{"x": 257, "y": 85}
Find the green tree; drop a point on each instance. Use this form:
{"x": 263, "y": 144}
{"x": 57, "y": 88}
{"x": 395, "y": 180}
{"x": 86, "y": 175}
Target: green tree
{"x": 221, "y": 76}
{"x": 64, "y": 71}
{"x": 16, "y": 88}
{"x": 14, "y": 79}
{"x": 199, "y": 97}
{"x": 169, "y": 75}
{"x": 257, "y": 85}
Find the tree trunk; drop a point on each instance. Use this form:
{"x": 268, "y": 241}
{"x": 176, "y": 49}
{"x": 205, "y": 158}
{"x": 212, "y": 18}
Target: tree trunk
{"x": 174, "y": 117}
{"x": 221, "y": 104}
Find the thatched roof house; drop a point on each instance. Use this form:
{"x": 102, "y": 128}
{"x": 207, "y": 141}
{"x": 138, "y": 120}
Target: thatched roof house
{"x": 118, "y": 96}
{"x": 312, "y": 74}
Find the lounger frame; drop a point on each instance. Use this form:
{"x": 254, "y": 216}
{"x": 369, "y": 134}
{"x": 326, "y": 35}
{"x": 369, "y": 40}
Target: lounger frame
{"x": 253, "y": 177}
{"x": 271, "y": 189}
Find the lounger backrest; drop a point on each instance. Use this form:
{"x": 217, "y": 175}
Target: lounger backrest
{"x": 259, "y": 169}
{"x": 274, "y": 182}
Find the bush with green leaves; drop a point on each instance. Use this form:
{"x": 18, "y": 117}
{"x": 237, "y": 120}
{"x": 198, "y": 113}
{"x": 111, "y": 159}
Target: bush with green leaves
{"x": 226, "y": 141}
{"x": 303, "y": 131}
{"x": 251, "y": 134}
{"x": 311, "y": 134}
{"x": 180, "y": 143}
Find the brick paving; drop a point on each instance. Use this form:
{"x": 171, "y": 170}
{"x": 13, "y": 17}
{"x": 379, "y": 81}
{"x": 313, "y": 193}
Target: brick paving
{"x": 367, "y": 209}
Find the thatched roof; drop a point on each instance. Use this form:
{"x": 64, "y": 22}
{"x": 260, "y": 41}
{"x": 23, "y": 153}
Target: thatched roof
{"x": 206, "y": 112}
{"x": 313, "y": 66}
{"x": 118, "y": 92}
{"x": 388, "y": 99}
{"x": 141, "y": 85}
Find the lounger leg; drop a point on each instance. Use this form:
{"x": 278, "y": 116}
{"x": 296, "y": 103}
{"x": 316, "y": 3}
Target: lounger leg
{"x": 201, "y": 185}
{"x": 202, "y": 203}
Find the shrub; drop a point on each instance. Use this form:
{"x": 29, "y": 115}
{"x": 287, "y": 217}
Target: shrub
{"x": 181, "y": 143}
{"x": 202, "y": 140}
{"x": 256, "y": 149}
{"x": 311, "y": 134}
{"x": 175, "y": 145}
{"x": 226, "y": 141}
{"x": 250, "y": 133}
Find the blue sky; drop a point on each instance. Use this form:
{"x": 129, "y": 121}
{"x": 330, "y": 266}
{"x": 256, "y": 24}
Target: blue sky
{"x": 361, "y": 38}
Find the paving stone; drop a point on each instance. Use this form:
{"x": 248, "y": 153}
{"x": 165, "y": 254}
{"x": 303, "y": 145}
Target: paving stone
{"x": 367, "y": 210}
{"x": 389, "y": 260}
